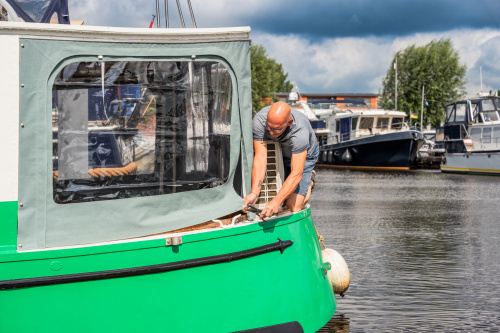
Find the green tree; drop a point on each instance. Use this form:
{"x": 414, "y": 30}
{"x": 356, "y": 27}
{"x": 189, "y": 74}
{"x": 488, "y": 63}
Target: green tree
{"x": 268, "y": 77}
{"x": 435, "y": 66}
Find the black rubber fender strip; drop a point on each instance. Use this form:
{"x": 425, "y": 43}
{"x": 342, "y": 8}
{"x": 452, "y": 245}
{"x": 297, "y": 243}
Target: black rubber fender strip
{"x": 291, "y": 327}
{"x": 152, "y": 269}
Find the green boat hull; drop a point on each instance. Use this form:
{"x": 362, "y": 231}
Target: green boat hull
{"x": 265, "y": 289}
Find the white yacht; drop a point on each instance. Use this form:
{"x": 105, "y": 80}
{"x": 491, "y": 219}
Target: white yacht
{"x": 472, "y": 136}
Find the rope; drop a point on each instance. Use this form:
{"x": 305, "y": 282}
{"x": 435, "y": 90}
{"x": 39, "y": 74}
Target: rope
{"x": 320, "y": 238}
{"x": 106, "y": 172}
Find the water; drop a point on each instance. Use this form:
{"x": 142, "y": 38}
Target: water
{"x": 422, "y": 248}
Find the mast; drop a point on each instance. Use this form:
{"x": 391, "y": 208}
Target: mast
{"x": 157, "y": 13}
{"x": 396, "y": 85}
{"x": 422, "y": 111}
{"x": 166, "y": 14}
{"x": 481, "y": 77}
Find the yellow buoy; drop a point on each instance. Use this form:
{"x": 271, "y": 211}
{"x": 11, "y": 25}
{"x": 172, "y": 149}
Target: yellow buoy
{"x": 338, "y": 276}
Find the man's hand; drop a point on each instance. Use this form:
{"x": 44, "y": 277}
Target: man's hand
{"x": 271, "y": 208}
{"x": 250, "y": 199}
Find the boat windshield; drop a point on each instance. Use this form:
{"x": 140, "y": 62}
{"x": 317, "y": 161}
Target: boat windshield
{"x": 124, "y": 129}
{"x": 488, "y": 105}
{"x": 490, "y": 116}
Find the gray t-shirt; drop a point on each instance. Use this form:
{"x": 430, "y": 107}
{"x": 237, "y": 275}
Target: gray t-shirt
{"x": 298, "y": 137}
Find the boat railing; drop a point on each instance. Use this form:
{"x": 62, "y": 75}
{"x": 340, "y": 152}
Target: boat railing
{"x": 487, "y": 143}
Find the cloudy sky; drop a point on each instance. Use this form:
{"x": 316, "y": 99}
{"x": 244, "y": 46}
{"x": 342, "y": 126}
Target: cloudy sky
{"x": 334, "y": 46}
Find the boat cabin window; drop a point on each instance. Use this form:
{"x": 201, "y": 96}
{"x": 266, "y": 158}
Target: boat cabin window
{"x": 354, "y": 123}
{"x": 496, "y": 133}
{"x": 337, "y": 126}
{"x": 487, "y": 105}
{"x": 475, "y": 113}
{"x": 460, "y": 112}
{"x": 126, "y": 129}
{"x": 397, "y": 123}
{"x": 475, "y": 134}
{"x": 487, "y": 135}
{"x": 383, "y": 123}
{"x": 365, "y": 123}
{"x": 488, "y": 116}
{"x": 450, "y": 113}
{"x": 497, "y": 103}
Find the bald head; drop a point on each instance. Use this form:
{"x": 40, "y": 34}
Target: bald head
{"x": 279, "y": 113}
{"x": 278, "y": 118}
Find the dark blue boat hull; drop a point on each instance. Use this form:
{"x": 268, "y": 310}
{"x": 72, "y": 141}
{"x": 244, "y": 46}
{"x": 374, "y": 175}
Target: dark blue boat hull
{"x": 393, "y": 150}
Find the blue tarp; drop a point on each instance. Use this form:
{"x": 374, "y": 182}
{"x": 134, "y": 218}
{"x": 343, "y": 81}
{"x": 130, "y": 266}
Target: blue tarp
{"x": 40, "y": 11}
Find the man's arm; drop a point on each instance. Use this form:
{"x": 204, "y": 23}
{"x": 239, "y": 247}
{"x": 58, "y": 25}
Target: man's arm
{"x": 290, "y": 184}
{"x": 258, "y": 171}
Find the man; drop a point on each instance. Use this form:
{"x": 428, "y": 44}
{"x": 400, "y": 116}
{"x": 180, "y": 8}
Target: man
{"x": 300, "y": 150}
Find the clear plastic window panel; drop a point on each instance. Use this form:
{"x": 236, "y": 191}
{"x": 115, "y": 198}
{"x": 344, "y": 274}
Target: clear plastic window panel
{"x": 475, "y": 112}
{"x": 488, "y": 105}
{"x": 449, "y": 110}
{"x": 460, "y": 112}
{"x": 128, "y": 129}
{"x": 490, "y": 116}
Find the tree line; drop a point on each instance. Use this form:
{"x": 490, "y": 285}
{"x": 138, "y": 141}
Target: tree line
{"x": 436, "y": 67}
{"x": 268, "y": 77}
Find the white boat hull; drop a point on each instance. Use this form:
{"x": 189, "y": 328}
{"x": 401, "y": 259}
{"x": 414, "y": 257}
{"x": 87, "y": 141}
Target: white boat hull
{"x": 484, "y": 162}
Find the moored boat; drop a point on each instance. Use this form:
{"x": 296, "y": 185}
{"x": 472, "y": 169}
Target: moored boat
{"x": 122, "y": 149}
{"x": 431, "y": 154}
{"x": 361, "y": 138}
{"x": 472, "y": 136}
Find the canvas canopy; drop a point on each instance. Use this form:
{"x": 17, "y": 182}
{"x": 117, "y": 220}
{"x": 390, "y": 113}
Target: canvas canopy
{"x": 66, "y": 113}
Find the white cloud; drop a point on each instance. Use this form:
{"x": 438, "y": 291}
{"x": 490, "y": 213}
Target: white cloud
{"x": 360, "y": 64}
{"x": 353, "y": 64}
{"x": 111, "y": 13}
{"x": 137, "y": 13}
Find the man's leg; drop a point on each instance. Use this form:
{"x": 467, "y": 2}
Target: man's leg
{"x": 295, "y": 202}
{"x": 310, "y": 188}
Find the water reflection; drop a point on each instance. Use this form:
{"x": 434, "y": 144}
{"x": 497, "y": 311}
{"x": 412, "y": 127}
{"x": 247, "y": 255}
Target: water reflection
{"x": 338, "y": 323}
{"x": 422, "y": 248}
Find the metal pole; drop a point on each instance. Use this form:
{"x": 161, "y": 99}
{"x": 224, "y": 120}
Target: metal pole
{"x": 192, "y": 15}
{"x": 396, "y": 85}
{"x": 481, "y": 77}
{"x": 180, "y": 13}
{"x": 166, "y": 14}
{"x": 157, "y": 13}
{"x": 422, "y": 111}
